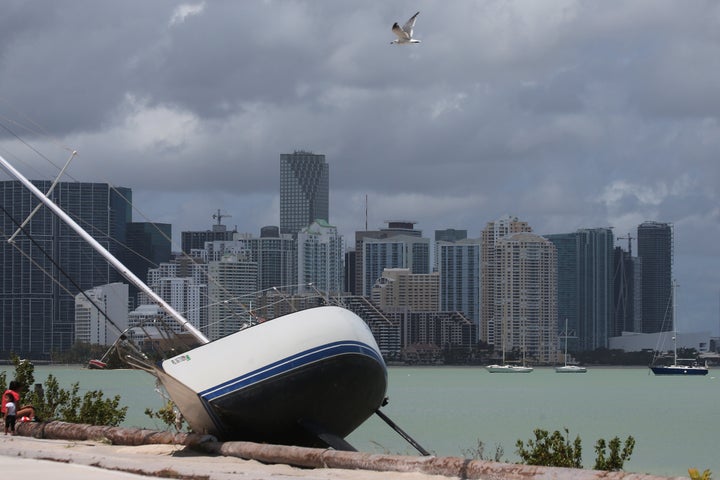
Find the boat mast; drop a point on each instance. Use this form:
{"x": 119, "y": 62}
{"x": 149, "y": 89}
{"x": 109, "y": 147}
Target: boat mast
{"x": 122, "y": 269}
{"x": 566, "y": 337}
{"x": 674, "y": 320}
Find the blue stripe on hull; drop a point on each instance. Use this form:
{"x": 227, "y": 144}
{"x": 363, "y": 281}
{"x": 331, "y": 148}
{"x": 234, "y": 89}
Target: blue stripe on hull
{"x": 290, "y": 363}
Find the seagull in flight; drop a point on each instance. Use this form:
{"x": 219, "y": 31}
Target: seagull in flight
{"x": 405, "y": 34}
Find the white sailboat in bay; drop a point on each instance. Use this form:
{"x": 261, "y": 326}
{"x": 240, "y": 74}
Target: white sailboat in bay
{"x": 568, "y": 368}
{"x": 505, "y": 367}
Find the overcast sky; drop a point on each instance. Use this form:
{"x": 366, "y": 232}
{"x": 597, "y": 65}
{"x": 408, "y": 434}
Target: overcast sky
{"x": 566, "y": 114}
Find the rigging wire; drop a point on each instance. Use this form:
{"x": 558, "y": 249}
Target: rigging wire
{"x": 97, "y": 232}
{"x": 57, "y": 265}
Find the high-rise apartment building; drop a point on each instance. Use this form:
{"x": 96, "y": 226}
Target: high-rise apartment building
{"x": 458, "y": 264}
{"x": 525, "y": 305}
{"x": 447, "y": 235}
{"x": 91, "y": 309}
{"x": 276, "y": 256}
{"x": 399, "y": 290}
{"x": 655, "y": 249}
{"x": 37, "y": 315}
{"x": 320, "y": 259}
{"x": 490, "y": 269}
{"x": 304, "y": 190}
{"x": 398, "y": 246}
{"x": 230, "y": 295}
{"x": 183, "y": 285}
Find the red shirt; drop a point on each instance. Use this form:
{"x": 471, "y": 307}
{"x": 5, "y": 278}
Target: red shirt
{"x": 15, "y": 395}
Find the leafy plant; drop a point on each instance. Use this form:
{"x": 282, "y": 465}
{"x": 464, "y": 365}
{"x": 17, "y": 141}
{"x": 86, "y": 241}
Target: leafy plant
{"x": 478, "y": 453}
{"x": 555, "y": 450}
{"x": 696, "y": 475}
{"x": 551, "y": 450}
{"x": 55, "y": 403}
{"x": 616, "y": 459}
{"x": 169, "y": 415}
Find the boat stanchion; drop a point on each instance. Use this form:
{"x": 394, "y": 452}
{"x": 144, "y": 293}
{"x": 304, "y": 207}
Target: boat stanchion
{"x": 402, "y": 433}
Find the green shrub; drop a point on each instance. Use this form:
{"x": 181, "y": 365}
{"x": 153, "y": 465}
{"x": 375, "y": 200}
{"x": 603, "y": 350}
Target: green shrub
{"x": 551, "y": 450}
{"x": 616, "y": 459}
{"x": 55, "y": 403}
{"x": 555, "y": 450}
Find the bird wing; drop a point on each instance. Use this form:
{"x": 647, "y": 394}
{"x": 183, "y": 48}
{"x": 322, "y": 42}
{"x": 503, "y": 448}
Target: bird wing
{"x": 409, "y": 25}
{"x": 401, "y": 34}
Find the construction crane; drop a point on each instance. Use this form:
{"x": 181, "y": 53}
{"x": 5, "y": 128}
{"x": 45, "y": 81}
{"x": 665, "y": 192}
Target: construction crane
{"x": 629, "y": 238}
{"x": 622, "y": 281}
{"x": 219, "y": 216}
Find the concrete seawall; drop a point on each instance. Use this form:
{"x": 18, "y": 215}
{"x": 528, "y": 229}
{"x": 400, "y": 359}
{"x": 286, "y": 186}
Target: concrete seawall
{"x": 308, "y": 459}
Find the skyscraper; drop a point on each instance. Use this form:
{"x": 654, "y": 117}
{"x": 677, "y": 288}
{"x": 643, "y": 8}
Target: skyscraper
{"x": 586, "y": 285}
{"x": 458, "y": 264}
{"x": 276, "y": 256}
{"x": 304, "y": 190}
{"x": 489, "y": 269}
{"x": 37, "y": 314}
{"x": 655, "y": 249}
{"x": 148, "y": 245}
{"x": 320, "y": 259}
{"x": 526, "y": 296}
{"x": 447, "y": 235}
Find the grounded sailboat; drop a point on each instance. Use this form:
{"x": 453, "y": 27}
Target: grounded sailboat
{"x": 308, "y": 378}
{"x": 568, "y": 368}
{"x": 680, "y": 366}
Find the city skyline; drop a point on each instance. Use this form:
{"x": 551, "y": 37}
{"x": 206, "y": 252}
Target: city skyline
{"x": 569, "y": 115}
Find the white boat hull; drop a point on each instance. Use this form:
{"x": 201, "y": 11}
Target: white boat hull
{"x": 508, "y": 369}
{"x": 290, "y": 380}
{"x": 571, "y": 369}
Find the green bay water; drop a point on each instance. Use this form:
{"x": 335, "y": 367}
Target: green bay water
{"x": 675, "y": 420}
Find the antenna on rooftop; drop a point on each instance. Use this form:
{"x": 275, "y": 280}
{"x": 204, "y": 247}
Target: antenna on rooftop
{"x": 366, "y": 212}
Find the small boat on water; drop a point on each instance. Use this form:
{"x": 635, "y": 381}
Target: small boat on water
{"x": 508, "y": 368}
{"x": 568, "y": 368}
{"x": 680, "y": 366}
{"x": 96, "y": 364}
{"x": 308, "y": 378}
{"x": 505, "y": 367}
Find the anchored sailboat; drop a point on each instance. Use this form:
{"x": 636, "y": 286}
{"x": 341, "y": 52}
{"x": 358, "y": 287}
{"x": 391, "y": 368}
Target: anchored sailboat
{"x": 680, "y": 366}
{"x": 568, "y": 368}
{"x": 507, "y": 367}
